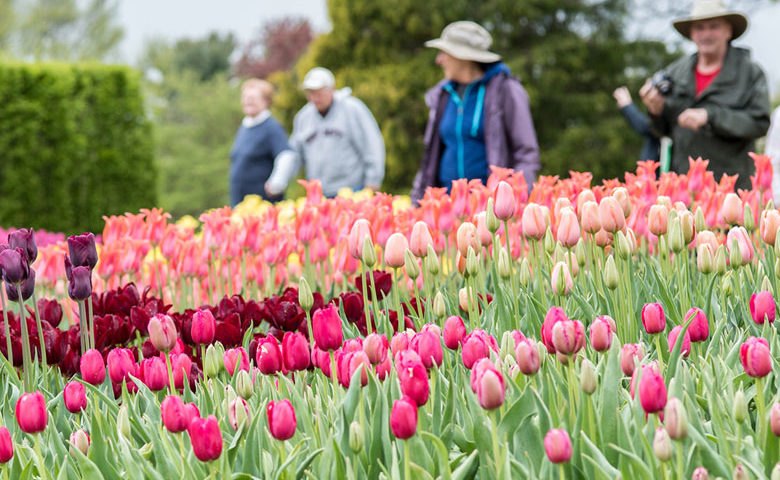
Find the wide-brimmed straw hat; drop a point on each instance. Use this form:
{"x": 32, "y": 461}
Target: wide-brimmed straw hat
{"x": 708, "y": 10}
{"x": 467, "y": 41}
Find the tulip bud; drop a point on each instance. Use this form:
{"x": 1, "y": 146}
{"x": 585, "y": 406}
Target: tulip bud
{"x": 281, "y": 419}
{"x": 432, "y": 263}
{"x": 326, "y": 328}
{"x": 411, "y": 266}
{"x": 557, "y": 446}
{"x": 439, "y": 308}
{"x": 662, "y": 445}
{"x": 75, "y": 396}
{"x": 561, "y": 280}
{"x": 244, "y": 385}
{"x": 504, "y": 265}
{"x": 79, "y": 440}
{"x": 676, "y": 238}
{"x": 611, "y": 277}
{"x": 755, "y": 357}
{"x": 704, "y": 259}
{"x": 777, "y": 265}
{"x": 162, "y": 332}
{"x": 652, "y": 389}
{"x": 394, "y": 250}
{"x": 774, "y": 419}
{"x": 762, "y": 307}
{"x": 653, "y": 318}
{"x": 675, "y": 419}
{"x": 775, "y": 472}
{"x": 238, "y": 413}
{"x": 580, "y": 253}
{"x": 6, "y": 446}
{"x": 700, "y": 473}
{"x": 749, "y": 220}
{"x": 698, "y": 220}
{"x": 663, "y": 248}
{"x": 203, "y": 327}
{"x": 740, "y": 406}
{"x": 472, "y": 262}
{"x": 92, "y": 367}
{"x": 549, "y": 242}
{"x": 720, "y": 260}
{"x": 123, "y": 422}
{"x": 588, "y": 381}
{"x": 525, "y": 272}
{"x": 505, "y": 201}
{"x": 305, "y": 297}
{"x": 403, "y": 418}
{"x": 368, "y": 252}
{"x": 687, "y": 226}
{"x": 355, "y": 437}
{"x": 213, "y": 361}
{"x": 726, "y": 286}
{"x": 739, "y": 473}
{"x": 491, "y": 220}
{"x": 601, "y": 331}
{"x": 629, "y": 355}
{"x": 568, "y": 336}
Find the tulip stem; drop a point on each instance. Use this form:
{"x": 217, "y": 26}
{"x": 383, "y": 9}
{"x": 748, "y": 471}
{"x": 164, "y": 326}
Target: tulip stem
{"x": 407, "y": 470}
{"x": 374, "y": 301}
{"x": 311, "y": 330}
{"x": 44, "y": 473}
{"x": 680, "y": 460}
{"x": 90, "y": 322}
{"x": 365, "y": 297}
{"x": 334, "y": 375}
{"x": 83, "y": 328}
{"x": 171, "y": 383}
{"x": 561, "y": 473}
{"x": 40, "y": 330}
{"x": 25, "y": 342}
{"x": 658, "y": 351}
{"x": 496, "y": 451}
{"x": 9, "y": 353}
{"x": 400, "y": 320}
{"x": 760, "y": 412}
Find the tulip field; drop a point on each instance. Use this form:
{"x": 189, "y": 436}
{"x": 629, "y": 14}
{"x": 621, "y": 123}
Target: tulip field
{"x": 569, "y": 331}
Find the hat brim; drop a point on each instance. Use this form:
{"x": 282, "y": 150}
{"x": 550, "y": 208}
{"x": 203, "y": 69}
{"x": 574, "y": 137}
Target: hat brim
{"x": 738, "y": 23}
{"x": 463, "y": 52}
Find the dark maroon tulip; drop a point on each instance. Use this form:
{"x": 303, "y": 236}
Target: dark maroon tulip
{"x": 352, "y": 302}
{"x": 403, "y": 418}
{"x": 268, "y": 356}
{"x": 82, "y": 250}
{"x": 24, "y": 239}
{"x": 31, "y": 412}
{"x": 6, "y": 446}
{"x": 326, "y": 326}
{"x": 382, "y": 280}
{"x": 154, "y": 373}
{"x": 93, "y": 369}
{"x": 28, "y": 287}
{"x": 295, "y": 351}
{"x": 203, "y": 327}
{"x": 14, "y": 264}
{"x": 50, "y": 310}
{"x": 75, "y": 396}
{"x": 80, "y": 286}
{"x": 174, "y": 414}
{"x": 281, "y": 419}
{"x": 206, "y": 438}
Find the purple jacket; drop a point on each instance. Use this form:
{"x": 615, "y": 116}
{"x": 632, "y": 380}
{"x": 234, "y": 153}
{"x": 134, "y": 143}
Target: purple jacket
{"x": 510, "y": 139}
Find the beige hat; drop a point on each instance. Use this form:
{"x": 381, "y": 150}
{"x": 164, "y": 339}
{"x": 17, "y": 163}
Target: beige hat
{"x": 710, "y": 9}
{"x": 467, "y": 41}
{"x": 317, "y": 78}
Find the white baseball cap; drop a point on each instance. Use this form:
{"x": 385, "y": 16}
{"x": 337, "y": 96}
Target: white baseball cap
{"x": 317, "y": 78}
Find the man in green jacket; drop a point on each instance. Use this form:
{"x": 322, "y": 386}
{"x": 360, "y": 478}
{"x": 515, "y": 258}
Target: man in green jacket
{"x": 718, "y": 104}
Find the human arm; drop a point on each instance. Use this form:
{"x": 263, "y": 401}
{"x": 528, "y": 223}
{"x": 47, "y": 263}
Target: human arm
{"x": 287, "y": 163}
{"x": 519, "y": 128}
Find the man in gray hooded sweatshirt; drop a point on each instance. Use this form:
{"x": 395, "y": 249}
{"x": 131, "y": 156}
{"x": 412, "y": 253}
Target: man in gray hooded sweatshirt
{"x": 335, "y": 137}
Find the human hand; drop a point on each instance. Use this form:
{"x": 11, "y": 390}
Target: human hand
{"x": 373, "y": 188}
{"x": 652, "y": 98}
{"x": 622, "y": 96}
{"x": 269, "y": 191}
{"x": 693, "y": 118}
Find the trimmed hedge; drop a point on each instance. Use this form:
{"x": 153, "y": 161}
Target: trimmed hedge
{"x": 74, "y": 145}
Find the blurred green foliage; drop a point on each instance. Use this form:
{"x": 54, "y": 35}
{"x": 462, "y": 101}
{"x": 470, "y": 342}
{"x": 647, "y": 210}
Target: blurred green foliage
{"x": 76, "y": 145}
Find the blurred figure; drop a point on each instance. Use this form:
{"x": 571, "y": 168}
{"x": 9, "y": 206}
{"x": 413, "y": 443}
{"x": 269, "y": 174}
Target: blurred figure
{"x": 651, "y": 150}
{"x": 260, "y": 142}
{"x": 773, "y": 150}
{"x": 479, "y": 114}
{"x": 335, "y": 137}
{"x": 714, "y": 103}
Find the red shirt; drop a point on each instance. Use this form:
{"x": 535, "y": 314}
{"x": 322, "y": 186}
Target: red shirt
{"x": 704, "y": 80}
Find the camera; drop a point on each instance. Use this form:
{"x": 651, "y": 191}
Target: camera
{"x": 662, "y": 82}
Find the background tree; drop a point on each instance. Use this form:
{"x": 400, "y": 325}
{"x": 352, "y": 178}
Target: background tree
{"x": 277, "y": 48}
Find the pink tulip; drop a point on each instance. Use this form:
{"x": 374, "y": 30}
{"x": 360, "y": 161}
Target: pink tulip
{"x": 700, "y": 473}
{"x": 6, "y": 446}
{"x": 491, "y": 389}
{"x": 755, "y": 357}
{"x": 535, "y": 221}
{"x": 269, "y": 355}
{"x": 483, "y": 234}
{"x": 80, "y": 440}
{"x": 601, "y": 331}
{"x": 652, "y": 390}
{"x": 653, "y": 318}
{"x": 527, "y": 356}
{"x": 403, "y": 418}
{"x": 774, "y": 419}
{"x": 568, "y": 228}
{"x": 553, "y": 316}
{"x": 235, "y": 357}
{"x": 738, "y": 236}
{"x": 685, "y": 349}
{"x": 732, "y": 209}
{"x": 376, "y": 347}
{"x": 295, "y": 351}
{"x": 557, "y": 446}
{"x": 181, "y": 365}
{"x": 383, "y": 368}
{"x": 414, "y": 380}
{"x": 658, "y": 219}
{"x": 352, "y": 362}
{"x": 475, "y": 347}
{"x": 281, "y": 419}
{"x": 420, "y": 239}
{"x": 611, "y": 215}
{"x": 432, "y": 328}
{"x": 768, "y": 225}
{"x": 121, "y": 364}
{"x": 203, "y": 327}
{"x": 504, "y": 206}
{"x": 467, "y": 237}
{"x": 630, "y": 353}
{"x": 589, "y": 217}
{"x": 400, "y": 342}
{"x": 561, "y": 287}
{"x": 699, "y": 329}
{"x": 361, "y": 230}
{"x": 394, "y": 250}
{"x": 174, "y": 414}
{"x": 206, "y": 438}
{"x": 762, "y": 307}
{"x": 93, "y": 368}
{"x": 428, "y": 347}
{"x": 154, "y": 373}
{"x": 75, "y": 396}
{"x": 31, "y": 412}
{"x": 352, "y": 345}
{"x": 568, "y": 336}
{"x": 326, "y": 328}
{"x": 162, "y": 332}
{"x": 236, "y": 405}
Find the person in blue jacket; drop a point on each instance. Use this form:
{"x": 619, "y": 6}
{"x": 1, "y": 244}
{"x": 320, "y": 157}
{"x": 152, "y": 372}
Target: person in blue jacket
{"x": 651, "y": 150}
{"x": 260, "y": 142}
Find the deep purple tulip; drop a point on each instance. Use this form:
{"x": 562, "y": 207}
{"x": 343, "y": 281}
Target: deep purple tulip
{"x": 24, "y": 239}
{"x": 82, "y": 250}
{"x": 14, "y": 264}
{"x": 28, "y": 287}
{"x": 80, "y": 286}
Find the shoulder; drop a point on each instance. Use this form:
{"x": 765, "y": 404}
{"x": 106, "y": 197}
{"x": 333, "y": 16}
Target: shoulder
{"x": 681, "y": 66}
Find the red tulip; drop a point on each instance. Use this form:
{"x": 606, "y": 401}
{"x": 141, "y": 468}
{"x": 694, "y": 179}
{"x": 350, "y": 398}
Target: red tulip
{"x": 413, "y": 379}
{"x": 75, "y": 396}
{"x": 154, "y": 373}
{"x": 453, "y": 332}
{"x": 568, "y": 336}
{"x": 281, "y": 419}
{"x": 653, "y": 318}
{"x": 685, "y": 349}
{"x": 762, "y": 307}
{"x": 121, "y": 364}
{"x": 652, "y": 390}
{"x": 174, "y": 414}
{"x": 236, "y": 357}
{"x": 557, "y": 446}
{"x": 31, "y": 412}
{"x": 475, "y": 347}
{"x": 428, "y": 347}
{"x": 376, "y": 347}
{"x": 699, "y": 329}
{"x": 403, "y": 418}
{"x": 181, "y": 364}
{"x": 553, "y": 316}
{"x": 6, "y": 446}
{"x": 295, "y": 351}
{"x": 601, "y": 331}
{"x": 203, "y": 327}
{"x": 206, "y": 438}
{"x": 326, "y": 328}
{"x": 93, "y": 369}
{"x": 269, "y": 355}
{"x": 755, "y": 357}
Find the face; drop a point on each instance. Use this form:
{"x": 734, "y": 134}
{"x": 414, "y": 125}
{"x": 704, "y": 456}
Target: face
{"x": 253, "y": 102}
{"x": 453, "y": 67}
{"x": 711, "y": 36}
{"x": 322, "y": 98}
